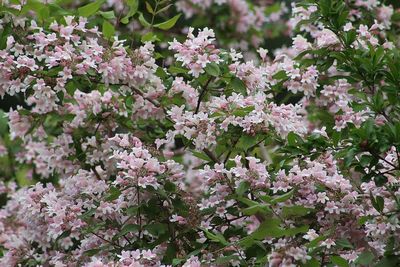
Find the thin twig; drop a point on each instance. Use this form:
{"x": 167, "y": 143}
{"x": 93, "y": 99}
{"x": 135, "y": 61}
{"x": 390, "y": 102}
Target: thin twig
{"x": 211, "y": 155}
{"x": 202, "y": 93}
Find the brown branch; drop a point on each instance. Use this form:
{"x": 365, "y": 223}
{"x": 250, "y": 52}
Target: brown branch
{"x": 202, "y": 93}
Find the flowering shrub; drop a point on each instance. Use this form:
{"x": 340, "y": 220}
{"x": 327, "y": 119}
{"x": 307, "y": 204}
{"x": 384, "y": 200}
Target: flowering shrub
{"x": 139, "y": 142}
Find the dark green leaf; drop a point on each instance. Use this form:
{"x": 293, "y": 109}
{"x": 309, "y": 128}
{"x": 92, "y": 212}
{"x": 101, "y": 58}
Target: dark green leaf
{"x": 242, "y": 188}
{"x": 225, "y": 260}
{"x": 238, "y": 85}
{"x": 156, "y": 228}
{"x": 200, "y": 155}
{"x": 339, "y": 261}
{"x": 296, "y": 230}
{"x": 280, "y": 75}
{"x": 113, "y": 194}
{"x": 246, "y": 141}
{"x": 378, "y": 202}
{"x": 365, "y": 258}
{"x": 218, "y": 238}
{"x": 129, "y": 228}
{"x": 344, "y": 243}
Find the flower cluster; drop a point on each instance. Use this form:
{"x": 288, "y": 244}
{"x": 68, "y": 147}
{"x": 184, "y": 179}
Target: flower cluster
{"x": 197, "y": 51}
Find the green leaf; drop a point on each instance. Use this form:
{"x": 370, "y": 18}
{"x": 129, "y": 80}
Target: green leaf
{"x": 296, "y": 230}
{"x": 177, "y": 262}
{"x": 378, "y": 202}
{"x": 170, "y": 187}
{"x": 107, "y": 15}
{"x": 212, "y": 69}
{"x": 246, "y": 141}
{"x": 344, "y": 243}
{"x": 218, "y": 238}
{"x": 3, "y": 123}
{"x": 166, "y": 25}
{"x": 388, "y": 261}
{"x": 247, "y": 241}
{"x": 365, "y": 258}
{"x": 283, "y": 198}
{"x": 7, "y": 29}
{"x": 294, "y": 139}
{"x": 341, "y": 19}
{"x": 242, "y": 188}
{"x": 272, "y": 9}
{"x": 132, "y": 210}
{"x": 350, "y": 37}
{"x": 257, "y": 209}
{"x": 129, "y": 228}
{"x": 316, "y": 241}
{"x": 242, "y": 112}
{"x": 129, "y": 102}
{"x": 64, "y": 235}
{"x": 170, "y": 253}
{"x": 200, "y": 155}
{"x": 238, "y": 85}
{"x": 149, "y": 8}
{"x": 113, "y": 194}
{"x": 269, "y": 228}
{"x": 156, "y": 228}
{"x": 177, "y": 70}
{"x": 88, "y": 214}
{"x": 247, "y": 201}
{"x": 44, "y": 13}
{"x": 339, "y": 261}
{"x": 42, "y": 10}
{"x": 217, "y": 114}
{"x": 149, "y": 37}
{"x": 133, "y": 7}
{"x": 21, "y": 177}
{"x": 363, "y": 220}
{"x": 92, "y": 252}
{"x": 265, "y": 198}
{"x": 56, "y": 10}
{"x": 225, "y": 260}
{"x": 280, "y": 75}
{"x": 143, "y": 21}
{"x": 163, "y": 9}
{"x": 312, "y": 263}
{"x": 295, "y": 211}
{"x": 108, "y": 29}
{"x": 90, "y": 9}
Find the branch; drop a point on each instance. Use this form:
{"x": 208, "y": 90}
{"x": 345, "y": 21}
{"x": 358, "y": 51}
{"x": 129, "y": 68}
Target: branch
{"x": 211, "y": 155}
{"x": 202, "y": 94}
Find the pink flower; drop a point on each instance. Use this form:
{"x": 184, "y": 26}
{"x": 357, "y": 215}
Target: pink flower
{"x": 348, "y": 27}
{"x": 332, "y": 208}
{"x": 178, "y": 219}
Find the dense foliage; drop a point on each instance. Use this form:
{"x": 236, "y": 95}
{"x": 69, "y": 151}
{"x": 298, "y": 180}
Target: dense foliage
{"x": 165, "y": 133}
